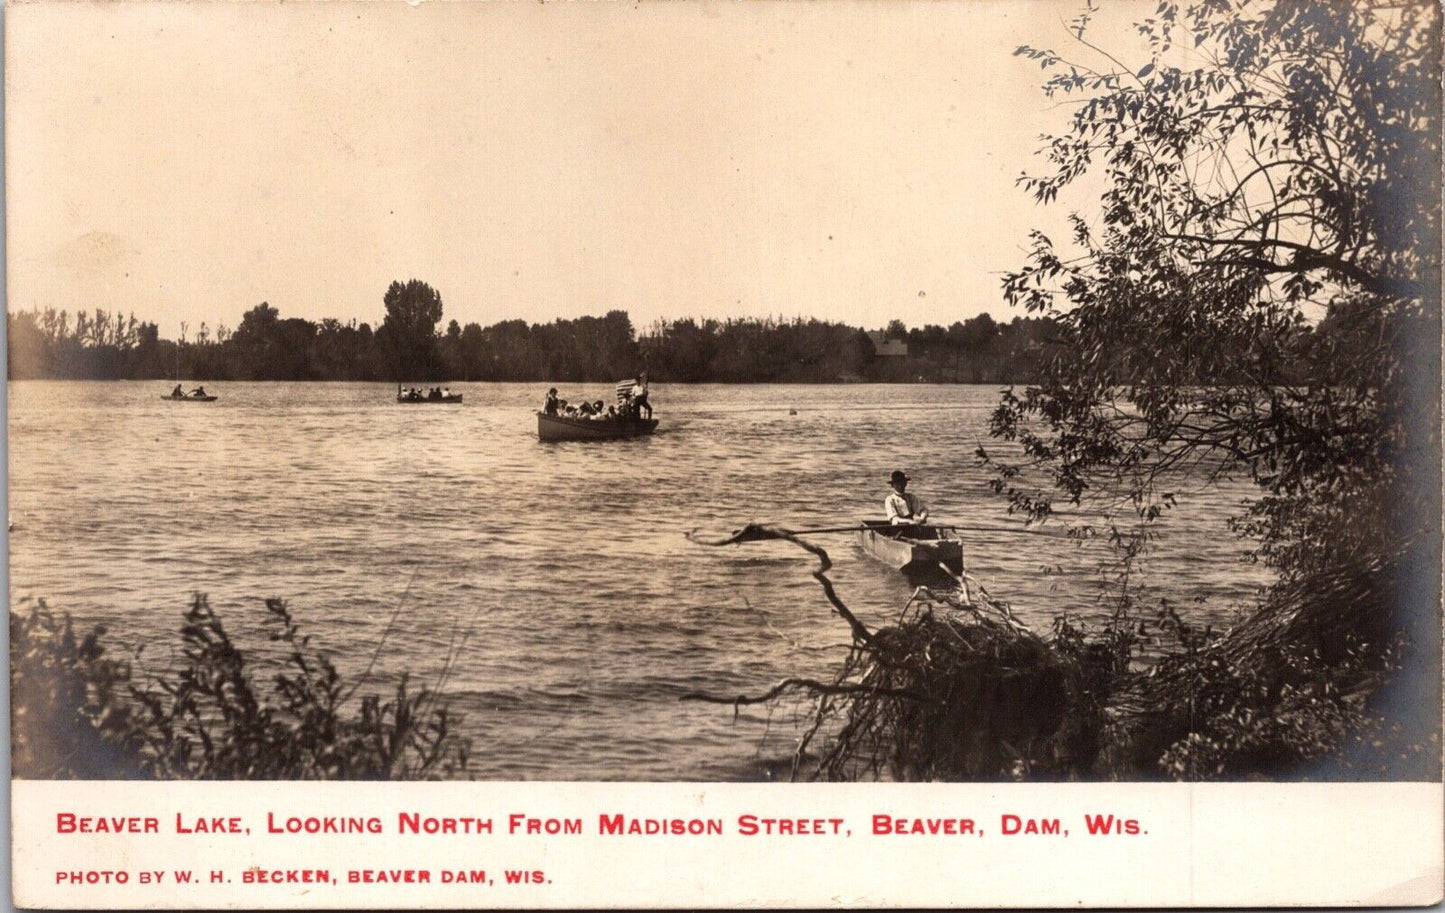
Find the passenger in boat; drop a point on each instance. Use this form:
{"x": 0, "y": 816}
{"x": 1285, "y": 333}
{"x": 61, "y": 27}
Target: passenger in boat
{"x": 178, "y": 392}
{"x": 902, "y": 507}
{"x": 199, "y": 391}
{"x": 553, "y": 405}
{"x": 446, "y": 392}
{"x": 434, "y": 393}
{"x": 585, "y": 409}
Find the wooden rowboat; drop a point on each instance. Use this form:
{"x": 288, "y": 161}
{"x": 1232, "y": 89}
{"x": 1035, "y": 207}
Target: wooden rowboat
{"x": 562, "y": 428}
{"x": 190, "y": 399}
{"x": 912, "y": 547}
{"x": 424, "y": 400}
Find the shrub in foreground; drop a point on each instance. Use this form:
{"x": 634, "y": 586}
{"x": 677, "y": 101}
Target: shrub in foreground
{"x": 78, "y": 713}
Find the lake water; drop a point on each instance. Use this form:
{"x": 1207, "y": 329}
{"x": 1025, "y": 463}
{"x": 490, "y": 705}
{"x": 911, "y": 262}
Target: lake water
{"x": 585, "y": 610}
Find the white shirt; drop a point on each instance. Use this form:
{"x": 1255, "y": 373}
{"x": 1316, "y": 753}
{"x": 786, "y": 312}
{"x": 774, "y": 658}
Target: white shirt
{"x": 903, "y": 508}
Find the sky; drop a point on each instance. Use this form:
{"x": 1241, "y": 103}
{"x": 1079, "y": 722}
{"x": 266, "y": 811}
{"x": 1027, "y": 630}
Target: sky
{"x": 851, "y": 161}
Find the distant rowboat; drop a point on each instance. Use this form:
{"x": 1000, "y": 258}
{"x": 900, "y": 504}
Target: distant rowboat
{"x": 414, "y": 397}
{"x": 912, "y": 547}
{"x": 562, "y": 428}
{"x": 190, "y": 399}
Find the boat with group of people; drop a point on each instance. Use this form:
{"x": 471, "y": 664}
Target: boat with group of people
{"x": 434, "y": 395}
{"x": 594, "y": 420}
{"x": 198, "y": 395}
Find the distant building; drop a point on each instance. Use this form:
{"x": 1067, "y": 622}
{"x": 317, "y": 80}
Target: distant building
{"x": 887, "y": 348}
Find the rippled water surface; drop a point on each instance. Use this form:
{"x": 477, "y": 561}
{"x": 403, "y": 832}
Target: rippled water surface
{"x": 558, "y": 575}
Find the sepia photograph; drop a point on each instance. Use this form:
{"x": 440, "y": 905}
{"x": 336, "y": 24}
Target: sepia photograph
{"x": 777, "y": 393}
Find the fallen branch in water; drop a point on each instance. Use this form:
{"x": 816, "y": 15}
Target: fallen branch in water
{"x": 757, "y": 533}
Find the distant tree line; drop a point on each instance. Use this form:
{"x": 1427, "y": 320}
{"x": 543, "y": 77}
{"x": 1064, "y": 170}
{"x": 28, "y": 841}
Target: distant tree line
{"x": 978, "y": 350}
{"x": 412, "y": 345}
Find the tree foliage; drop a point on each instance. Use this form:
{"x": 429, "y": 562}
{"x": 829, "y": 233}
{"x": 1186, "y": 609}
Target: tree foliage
{"x": 1291, "y": 172}
{"x": 413, "y": 311}
{"x": 1258, "y": 294}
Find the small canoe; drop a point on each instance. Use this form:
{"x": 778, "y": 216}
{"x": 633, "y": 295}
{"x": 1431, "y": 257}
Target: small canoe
{"x": 190, "y": 399}
{"x": 563, "y": 428}
{"x": 424, "y": 401}
{"x": 912, "y": 547}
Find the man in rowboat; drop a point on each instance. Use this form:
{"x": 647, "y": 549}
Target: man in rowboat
{"x": 903, "y": 508}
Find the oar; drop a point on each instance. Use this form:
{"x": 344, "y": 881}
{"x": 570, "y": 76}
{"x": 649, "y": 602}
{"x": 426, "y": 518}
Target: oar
{"x": 828, "y": 529}
{"x": 1055, "y": 532}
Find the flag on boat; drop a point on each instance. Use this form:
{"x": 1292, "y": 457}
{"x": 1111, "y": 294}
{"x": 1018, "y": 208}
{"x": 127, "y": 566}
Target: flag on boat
{"x": 624, "y": 389}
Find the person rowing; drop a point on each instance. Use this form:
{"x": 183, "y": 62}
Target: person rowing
{"x": 178, "y": 393}
{"x": 903, "y": 508}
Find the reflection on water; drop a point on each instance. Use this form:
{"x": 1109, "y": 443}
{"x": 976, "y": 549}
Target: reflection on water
{"x": 559, "y": 574}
